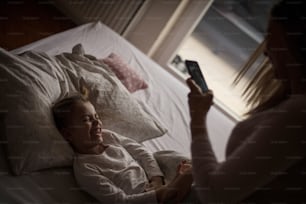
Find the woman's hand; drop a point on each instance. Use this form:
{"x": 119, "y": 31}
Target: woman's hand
{"x": 179, "y": 187}
{"x": 185, "y": 167}
{"x": 181, "y": 184}
{"x": 155, "y": 183}
{"x": 166, "y": 194}
{"x": 199, "y": 102}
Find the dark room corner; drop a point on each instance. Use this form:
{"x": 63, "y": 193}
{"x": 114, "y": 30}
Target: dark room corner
{"x": 23, "y": 22}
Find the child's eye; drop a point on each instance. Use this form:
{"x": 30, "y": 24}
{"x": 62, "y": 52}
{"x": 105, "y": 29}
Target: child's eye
{"x": 86, "y": 119}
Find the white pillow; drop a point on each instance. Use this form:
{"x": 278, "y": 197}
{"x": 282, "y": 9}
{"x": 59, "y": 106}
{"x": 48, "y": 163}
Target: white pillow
{"x": 30, "y": 83}
{"x": 119, "y": 111}
{"x": 27, "y": 93}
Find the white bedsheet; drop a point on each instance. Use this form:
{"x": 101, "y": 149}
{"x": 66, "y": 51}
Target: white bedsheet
{"x": 166, "y": 97}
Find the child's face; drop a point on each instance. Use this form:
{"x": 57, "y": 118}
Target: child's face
{"x": 84, "y": 129}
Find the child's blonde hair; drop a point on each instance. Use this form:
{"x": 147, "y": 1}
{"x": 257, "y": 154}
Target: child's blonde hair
{"x": 62, "y": 108}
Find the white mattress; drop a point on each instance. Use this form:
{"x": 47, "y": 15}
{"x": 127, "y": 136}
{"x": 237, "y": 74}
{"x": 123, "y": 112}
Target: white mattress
{"x": 166, "y": 97}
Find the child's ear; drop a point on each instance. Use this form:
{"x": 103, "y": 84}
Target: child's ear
{"x": 66, "y": 134}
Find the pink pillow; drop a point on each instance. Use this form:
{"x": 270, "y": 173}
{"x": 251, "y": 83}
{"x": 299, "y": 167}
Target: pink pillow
{"x": 129, "y": 78}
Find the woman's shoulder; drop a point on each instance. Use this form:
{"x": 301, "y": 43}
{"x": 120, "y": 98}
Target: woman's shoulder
{"x": 293, "y": 108}
{"x": 294, "y": 103}
{"x": 288, "y": 115}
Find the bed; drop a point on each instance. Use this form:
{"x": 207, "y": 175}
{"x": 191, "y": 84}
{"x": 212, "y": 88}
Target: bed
{"x": 165, "y": 99}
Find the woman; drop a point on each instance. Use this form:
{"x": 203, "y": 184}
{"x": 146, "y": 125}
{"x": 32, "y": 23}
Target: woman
{"x": 266, "y": 153}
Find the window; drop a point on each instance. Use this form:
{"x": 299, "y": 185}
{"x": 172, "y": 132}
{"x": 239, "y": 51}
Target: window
{"x": 221, "y": 43}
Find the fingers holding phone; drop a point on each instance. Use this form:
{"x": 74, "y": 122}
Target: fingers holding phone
{"x": 195, "y": 72}
{"x": 200, "y": 97}
{"x": 199, "y": 102}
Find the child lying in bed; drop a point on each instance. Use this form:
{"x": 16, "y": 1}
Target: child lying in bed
{"x": 111, "y": 167}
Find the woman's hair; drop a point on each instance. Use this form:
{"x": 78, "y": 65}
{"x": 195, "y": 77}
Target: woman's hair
{"x": 292, "y": 16}
{"x": 289, "y": 12}
{"x": 264, "y": 91}
{"x": 62, "y": 108}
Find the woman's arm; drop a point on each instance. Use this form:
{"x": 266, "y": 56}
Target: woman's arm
{"x": 276, "y": 144}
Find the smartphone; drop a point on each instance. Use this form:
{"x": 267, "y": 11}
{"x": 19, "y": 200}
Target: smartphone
{"x": 196, "y": 74}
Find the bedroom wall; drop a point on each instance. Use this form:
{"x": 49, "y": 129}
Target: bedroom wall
{"x": 25, "y": 21}
{"x": 181, "y": 29}
{"x": 22, "y": 22}
{"x": 148, "y": 29}
{"x": 142, "y": 22}
{"x": 164, "y": 26}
